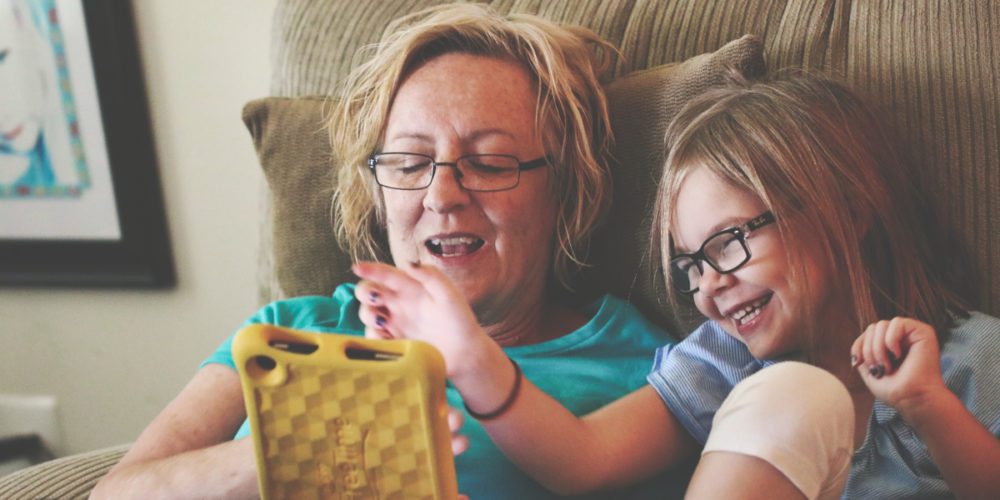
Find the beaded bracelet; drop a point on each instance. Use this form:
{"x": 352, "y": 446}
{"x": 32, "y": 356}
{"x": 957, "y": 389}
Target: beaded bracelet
{"x": 506, "y": 404}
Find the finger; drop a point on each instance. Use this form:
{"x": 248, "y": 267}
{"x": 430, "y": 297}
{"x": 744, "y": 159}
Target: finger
{"x": 867, "y": 350}
{"x": 879, "y": 349}
{"x": 374, "y": 316}
{"x": 455, "y": 419}
{"x": 433, "y": 280}
{"x": 369, "y": 292}
{"x": 459, "y": 444}
{"x": 857, "y": 348}
{"x": 388, "y": 277}
{"x": 894, "y": 337}
{"x": 377, "y": 333}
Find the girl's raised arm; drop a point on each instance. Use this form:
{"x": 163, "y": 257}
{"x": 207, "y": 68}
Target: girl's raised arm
{"x": 967, "y": 454}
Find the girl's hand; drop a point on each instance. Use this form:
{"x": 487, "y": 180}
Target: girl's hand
{"x": 419, "y": 302}
{"x": 900, "y": 362}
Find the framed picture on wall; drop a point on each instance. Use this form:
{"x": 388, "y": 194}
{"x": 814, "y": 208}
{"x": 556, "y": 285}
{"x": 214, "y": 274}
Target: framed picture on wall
{"x": 80, "y": 199}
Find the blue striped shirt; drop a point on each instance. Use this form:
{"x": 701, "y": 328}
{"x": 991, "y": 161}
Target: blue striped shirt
{"x": 695, "y": 376}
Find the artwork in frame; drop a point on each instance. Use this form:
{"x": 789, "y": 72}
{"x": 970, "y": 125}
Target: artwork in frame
{"x": 80, "y": 199}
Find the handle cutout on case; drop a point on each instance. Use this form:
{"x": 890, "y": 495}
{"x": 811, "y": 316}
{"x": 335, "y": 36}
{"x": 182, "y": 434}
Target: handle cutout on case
{"x": 370, "y": 354}
{"x": 265, "y": 363}
{"x": 293, "y": 347}
{"x": 265, "y": 371}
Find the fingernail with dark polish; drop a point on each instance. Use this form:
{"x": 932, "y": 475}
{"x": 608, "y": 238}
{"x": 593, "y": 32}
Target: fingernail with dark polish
{"x": 373, "y": 296}
{"x": 414, "y": 263}
{"x": 854, "y": 361}
{"x": 380, "y": 320}
{"x": 877, "y": 371}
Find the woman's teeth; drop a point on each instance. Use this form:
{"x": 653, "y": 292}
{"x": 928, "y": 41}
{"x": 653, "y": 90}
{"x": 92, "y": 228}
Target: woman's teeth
{"x": 454, "y": 246}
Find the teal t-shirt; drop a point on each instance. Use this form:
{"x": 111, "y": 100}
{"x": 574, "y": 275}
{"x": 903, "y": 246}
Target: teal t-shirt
{"x": 602, "y": 361}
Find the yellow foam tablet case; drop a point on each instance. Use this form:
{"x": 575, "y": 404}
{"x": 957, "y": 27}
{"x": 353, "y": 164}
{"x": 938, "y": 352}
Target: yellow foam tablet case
{"x": 342, "y": 416}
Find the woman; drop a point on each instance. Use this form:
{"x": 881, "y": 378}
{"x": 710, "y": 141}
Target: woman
{"x": 476, "y": 143}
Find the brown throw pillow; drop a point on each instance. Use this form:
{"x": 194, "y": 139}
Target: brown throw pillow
{"x": 642, "y": 104}
{"x": 293, "y": 147}
{"x": 295, "y": 154}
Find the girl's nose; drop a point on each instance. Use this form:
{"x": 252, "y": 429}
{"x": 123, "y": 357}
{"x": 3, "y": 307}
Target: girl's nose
{"x": 712, "y": 282}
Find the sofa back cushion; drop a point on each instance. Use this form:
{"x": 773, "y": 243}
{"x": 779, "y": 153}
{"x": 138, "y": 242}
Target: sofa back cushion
{"x": 929, "y": 64}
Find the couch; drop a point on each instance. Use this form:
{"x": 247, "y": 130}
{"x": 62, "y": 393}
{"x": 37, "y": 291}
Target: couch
{"x": 929, "y": 65}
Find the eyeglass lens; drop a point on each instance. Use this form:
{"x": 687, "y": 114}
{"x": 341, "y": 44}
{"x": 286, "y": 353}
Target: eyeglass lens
{"x": 725, "y": 252}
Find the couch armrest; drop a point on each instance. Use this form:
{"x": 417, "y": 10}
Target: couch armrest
{"x": 68, "y": 477}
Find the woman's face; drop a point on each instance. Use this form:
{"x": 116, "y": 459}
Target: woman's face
{"x": 758, "y": 304}
{"x": 20, "y": 100}
{"x": 496, "y": 247}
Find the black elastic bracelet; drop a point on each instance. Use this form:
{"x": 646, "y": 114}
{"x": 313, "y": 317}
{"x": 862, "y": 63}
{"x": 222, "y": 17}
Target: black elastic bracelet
{"x": 506, "y": 404}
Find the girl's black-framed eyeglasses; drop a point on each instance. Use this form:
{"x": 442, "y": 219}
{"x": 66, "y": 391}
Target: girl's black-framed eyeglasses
{"x": 726, "y": 251}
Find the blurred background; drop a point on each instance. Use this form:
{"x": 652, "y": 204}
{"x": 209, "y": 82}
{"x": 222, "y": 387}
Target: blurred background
{"x": 89, "y": 368}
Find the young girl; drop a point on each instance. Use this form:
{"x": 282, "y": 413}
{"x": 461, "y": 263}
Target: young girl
{"x": 797, "y": 231}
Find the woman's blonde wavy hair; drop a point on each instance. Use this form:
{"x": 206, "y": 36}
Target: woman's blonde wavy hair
{"x": 812, "y": 151}
{"x": 571, "y": 116}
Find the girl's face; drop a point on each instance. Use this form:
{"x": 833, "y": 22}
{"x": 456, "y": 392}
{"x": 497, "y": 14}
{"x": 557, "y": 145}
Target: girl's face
{"x": 758, "y": 303}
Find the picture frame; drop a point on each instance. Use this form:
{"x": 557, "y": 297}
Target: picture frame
{"x": 88, "y": 210}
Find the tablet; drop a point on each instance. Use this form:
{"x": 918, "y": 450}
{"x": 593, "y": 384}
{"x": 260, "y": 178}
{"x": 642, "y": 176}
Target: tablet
{"x": 342, "y": 416}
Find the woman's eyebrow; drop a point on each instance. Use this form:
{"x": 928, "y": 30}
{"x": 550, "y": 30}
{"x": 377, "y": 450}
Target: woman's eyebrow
{"x": 479, "y": 134}
{"x": 418, "y": 136}
{"x": 472, "y": 137}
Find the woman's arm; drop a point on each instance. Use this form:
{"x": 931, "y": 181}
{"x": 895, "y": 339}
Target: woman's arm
{"x": 619, "y": 444}
{"x": 967, "y": 454}
{"x": 186, "y": 451}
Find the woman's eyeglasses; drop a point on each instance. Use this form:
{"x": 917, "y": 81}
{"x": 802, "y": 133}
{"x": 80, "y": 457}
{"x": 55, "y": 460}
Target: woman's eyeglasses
{"x": 486, "y": 172}
{"x": 726, "y": 251}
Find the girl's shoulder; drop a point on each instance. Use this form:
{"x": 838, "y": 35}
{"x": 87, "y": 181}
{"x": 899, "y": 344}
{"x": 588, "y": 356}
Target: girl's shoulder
{"x": 969, "y": 366}
{"x": 975, "y": 333}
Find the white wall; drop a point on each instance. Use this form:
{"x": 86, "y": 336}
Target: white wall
{"x": 114, "y": 358}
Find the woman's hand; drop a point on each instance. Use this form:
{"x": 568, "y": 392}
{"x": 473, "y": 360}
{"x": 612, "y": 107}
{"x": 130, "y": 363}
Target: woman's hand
{"x": 900, "y": 362}
{"x": 419, "y": 302}
{"x": 459, "y": 442}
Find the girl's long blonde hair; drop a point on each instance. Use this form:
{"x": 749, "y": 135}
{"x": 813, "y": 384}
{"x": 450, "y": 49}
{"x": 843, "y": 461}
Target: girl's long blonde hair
{"x": 572, "y": 118}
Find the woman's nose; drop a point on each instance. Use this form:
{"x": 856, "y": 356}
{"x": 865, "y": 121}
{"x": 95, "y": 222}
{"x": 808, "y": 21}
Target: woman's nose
{"x": 445, "y": 192}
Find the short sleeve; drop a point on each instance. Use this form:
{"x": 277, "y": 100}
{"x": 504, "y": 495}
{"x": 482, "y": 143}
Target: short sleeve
{"x": 694, "y": 376}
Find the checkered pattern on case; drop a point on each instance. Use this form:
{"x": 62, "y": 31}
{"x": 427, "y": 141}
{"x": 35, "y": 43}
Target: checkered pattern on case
{"x": 345, "y": 434}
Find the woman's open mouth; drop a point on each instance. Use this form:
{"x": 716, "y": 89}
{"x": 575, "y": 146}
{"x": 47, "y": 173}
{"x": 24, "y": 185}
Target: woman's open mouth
{"x": 454, "y": 246}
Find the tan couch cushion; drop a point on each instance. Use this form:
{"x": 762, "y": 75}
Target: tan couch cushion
{"x": 294, "y": 153}
{"x": 292, "y": 145}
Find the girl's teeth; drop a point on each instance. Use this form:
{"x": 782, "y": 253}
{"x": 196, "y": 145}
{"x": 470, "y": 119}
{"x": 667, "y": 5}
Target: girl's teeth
{"x": 749, "y": 312}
